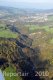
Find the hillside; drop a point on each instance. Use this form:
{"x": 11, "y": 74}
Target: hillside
{"x": 26, "y": 43}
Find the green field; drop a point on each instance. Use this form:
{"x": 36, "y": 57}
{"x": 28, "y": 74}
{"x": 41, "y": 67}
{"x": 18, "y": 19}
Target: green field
{"x": 11, "y": 74}
{"x": 7, "y": 33}
{"x": 50, "y": 18}
{"x": 33, "y": 28}
{"x": 51, "y": 41}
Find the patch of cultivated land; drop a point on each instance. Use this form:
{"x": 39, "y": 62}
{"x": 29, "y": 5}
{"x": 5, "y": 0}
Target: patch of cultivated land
{"x": 7, "y": 33}
{"x": 33, "y": 28}
{"x": 50, "y": 18}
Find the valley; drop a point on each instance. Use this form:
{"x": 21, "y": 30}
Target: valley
{"x": 26, "y": 42}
